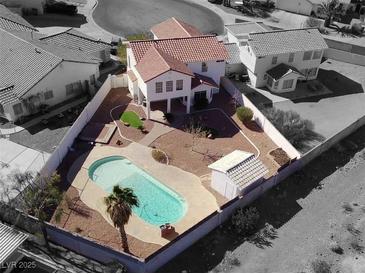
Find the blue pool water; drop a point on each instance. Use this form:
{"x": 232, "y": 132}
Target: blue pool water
{"x": 157, "y": 203}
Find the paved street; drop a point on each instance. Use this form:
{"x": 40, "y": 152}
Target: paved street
{"x": 135, "y": 16}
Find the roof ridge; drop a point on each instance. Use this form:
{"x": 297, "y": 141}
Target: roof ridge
{"x": 55, "y": 34}
{"x": 282, "y": 30}
{"x": 32, "y": 28}
{"x": 159, "y": 53}
{"x": 244, "y": 23}
{"x": 175, "y": 38}
{"x": 86, "y": 38}
{"x": 179, "y": 23}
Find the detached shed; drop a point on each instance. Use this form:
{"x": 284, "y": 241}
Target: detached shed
{"x": 237, "y": 173}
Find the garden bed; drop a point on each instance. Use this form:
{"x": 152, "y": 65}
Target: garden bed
{"x": 280, "y": 156}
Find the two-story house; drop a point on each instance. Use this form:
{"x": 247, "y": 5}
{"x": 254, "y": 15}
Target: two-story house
{"x": 278, "y": 59}
{"x": 185, "y": 68}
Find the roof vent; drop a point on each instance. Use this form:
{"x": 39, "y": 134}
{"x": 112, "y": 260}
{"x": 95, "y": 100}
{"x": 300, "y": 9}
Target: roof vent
{"x": 37, "y": 50}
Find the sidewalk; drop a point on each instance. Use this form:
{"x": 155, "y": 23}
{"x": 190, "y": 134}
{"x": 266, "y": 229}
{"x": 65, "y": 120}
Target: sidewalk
{"x": 9, "y": 131}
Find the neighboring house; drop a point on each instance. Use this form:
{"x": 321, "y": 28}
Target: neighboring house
{"x": 307, "y": 7}
{"x": 35, "y": 73}
{"x": 174, "y": 28}
{"x": 78, "y": 41}
{"x": 237, "y": 173}
{"x": 238, "y": 33}
{"x": 13, "y": 22}
{"x": 185, "y": 68}
{"x": 278, "y": 59}
{"x": 25, "y": 6}
{"x": 233, "y": 63}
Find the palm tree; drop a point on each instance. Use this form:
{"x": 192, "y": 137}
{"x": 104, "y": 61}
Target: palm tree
{"x": 328, "y": 8}
{"x": 119, "y": 206}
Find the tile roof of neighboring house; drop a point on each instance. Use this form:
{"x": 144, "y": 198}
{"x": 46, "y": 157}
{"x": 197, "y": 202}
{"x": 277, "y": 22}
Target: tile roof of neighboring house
{"x": 285, "y": 41}
{"x": 76, "y": 40}
{"x": 131, "y": 75}
{"x": 24, "y": 63}
{"x": 13, "y": 21}
{"x": 199, "y": 79}
{"x": 156, "y": 62}
{"x": 241, "y": 167}
{"x": 10, "y": 240}
{"x": 190, "y": 49}
{"x": 174, "y": 28}
{"x": 318, "y": 2}
{"x": 247, "y": 27}
{"x": 281, "y": 70}
{"x": 233, "y": 52}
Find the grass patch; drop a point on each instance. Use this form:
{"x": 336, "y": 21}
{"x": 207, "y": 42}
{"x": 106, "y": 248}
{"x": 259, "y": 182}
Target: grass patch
{"x": 131, "y": 118}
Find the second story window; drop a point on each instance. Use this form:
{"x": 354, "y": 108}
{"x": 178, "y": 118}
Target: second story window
{"x": 158, "y": 87}
{"x": 274, "y": 60}
{"x": 291, "y": 57}
{"x": 204, "y": 67}
{"x": 179, "y": 84}
{"x": 317, "y": 54}
{"x": 307, "y": 55}
{"x": 169, "y": 86}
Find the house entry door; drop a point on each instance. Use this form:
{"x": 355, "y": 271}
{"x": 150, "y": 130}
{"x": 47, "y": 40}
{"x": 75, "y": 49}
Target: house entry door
{"x": 200, "y": 95}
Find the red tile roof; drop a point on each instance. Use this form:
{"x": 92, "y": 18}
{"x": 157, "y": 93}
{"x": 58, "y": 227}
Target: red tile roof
{"x": 189, "y": 49}
{"x": 174, "y": 28}
{"x": 156, "y": 62}
{"x": 199, "y": 79}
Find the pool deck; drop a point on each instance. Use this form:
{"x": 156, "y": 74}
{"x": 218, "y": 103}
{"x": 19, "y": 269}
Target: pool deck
{"x": 184, "y": 183}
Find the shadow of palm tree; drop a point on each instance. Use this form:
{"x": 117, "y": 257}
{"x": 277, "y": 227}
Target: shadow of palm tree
{"x": 264, "y": 237}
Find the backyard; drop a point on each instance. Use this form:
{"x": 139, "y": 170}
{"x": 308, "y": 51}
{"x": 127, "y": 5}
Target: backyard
{"x": 220, "y": 132}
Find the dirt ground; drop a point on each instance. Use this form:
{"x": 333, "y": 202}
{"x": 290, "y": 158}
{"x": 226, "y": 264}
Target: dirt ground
{"x": 313, "y": 221}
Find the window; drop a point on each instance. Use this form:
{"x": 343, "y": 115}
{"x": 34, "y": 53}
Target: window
{"x": 169, "y": 86}
{"x": 73, "y": 88}
{"x": 317, "y": 54}
{"x": 288, "y": 84}
{"x": 158, "y": 87}
{"x": 179, "y": 84}
{"x": 18, "y": 109}
{"x": 274, "y": 60}
{"x": 276, "y": 84}
{"x": 269, "y": 81}
{"x": 307, "y": 55}
{"x": 48, "y": 95}
{"x": 291, "y": 57}
{"x": 204, "y": 67}
{"x": 312, "y": 72}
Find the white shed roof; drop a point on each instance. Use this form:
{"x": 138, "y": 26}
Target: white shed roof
{"x": 241, "y": 167}
{"x": 10, "y": 240}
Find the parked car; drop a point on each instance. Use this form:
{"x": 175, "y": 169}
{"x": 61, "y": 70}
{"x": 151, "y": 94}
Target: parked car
{"x": 61, "y": 7}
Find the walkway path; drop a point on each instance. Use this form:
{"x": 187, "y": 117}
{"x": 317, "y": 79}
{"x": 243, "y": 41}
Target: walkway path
{"x": 9, "y": 131}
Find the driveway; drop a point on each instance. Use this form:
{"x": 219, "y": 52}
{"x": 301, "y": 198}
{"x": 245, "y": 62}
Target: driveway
{"x": 125, "y": 17}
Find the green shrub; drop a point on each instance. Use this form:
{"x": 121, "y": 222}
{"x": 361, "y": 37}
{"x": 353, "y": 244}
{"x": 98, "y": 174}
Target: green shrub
{"x": 245, "y": 221}
{"x": 245, "y": 114}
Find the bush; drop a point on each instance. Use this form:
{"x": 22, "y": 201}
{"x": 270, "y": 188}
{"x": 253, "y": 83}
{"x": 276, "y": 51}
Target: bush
{"x": 298, "y": 131}
{"x": 320, "y": 266}
{"x": 245, "y": 221}
{"x": 245, "y": 114}
{"x": 159, "y": 156}
{"x": 201, "y": 103}
{"x": 169, "y": 117}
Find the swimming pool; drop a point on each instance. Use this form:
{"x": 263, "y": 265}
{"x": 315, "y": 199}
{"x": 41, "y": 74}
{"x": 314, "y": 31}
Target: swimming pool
{"x": 157, "y": 203}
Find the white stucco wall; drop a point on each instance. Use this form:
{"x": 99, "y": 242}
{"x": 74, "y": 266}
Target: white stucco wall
{"x": 65, "y": 73}
{"x": 257, "y": 67}
{"x": 296, "y": 6}
{"x": 221, "y": 183}
{"x": 280, "y": 89}
{"x": 215, "y": 69}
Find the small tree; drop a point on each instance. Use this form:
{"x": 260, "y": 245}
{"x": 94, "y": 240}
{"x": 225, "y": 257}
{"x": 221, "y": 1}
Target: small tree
{"x": 245, "y": 220}
{"x": 245, "y": 114}
{"x": 36, "y": 196}
{"x": 119, "y": 206}
{"x": 328, "y": 8}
